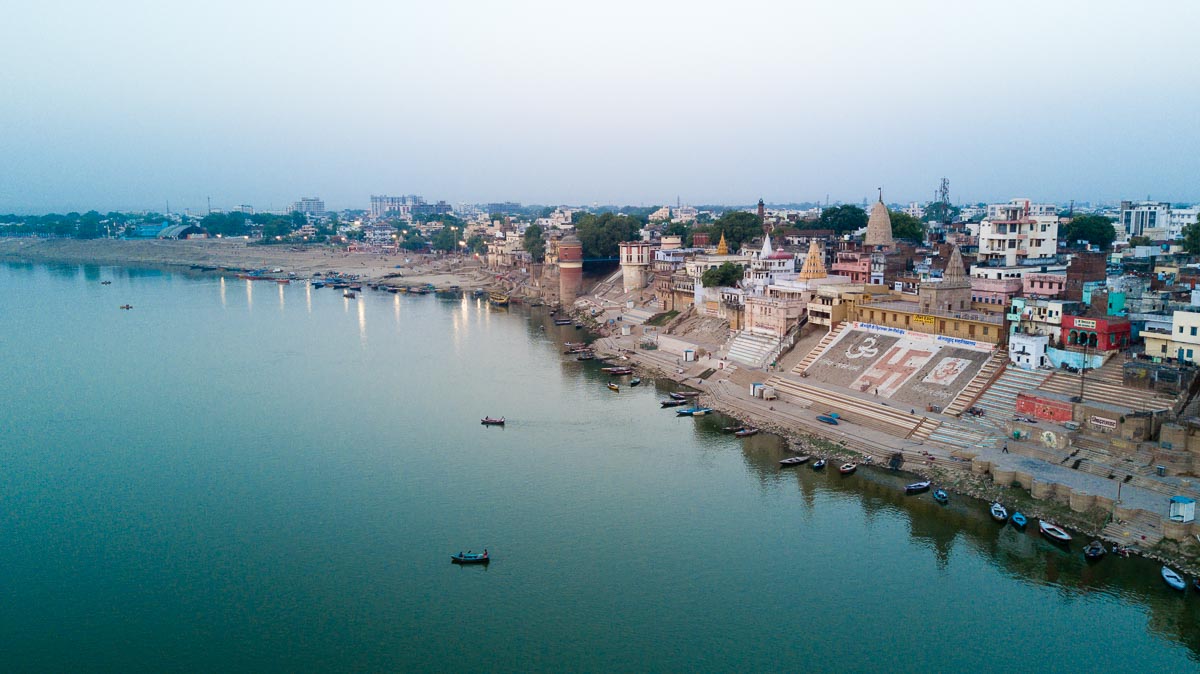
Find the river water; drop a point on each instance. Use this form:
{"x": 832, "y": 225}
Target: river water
{"x": 245, "y": 476}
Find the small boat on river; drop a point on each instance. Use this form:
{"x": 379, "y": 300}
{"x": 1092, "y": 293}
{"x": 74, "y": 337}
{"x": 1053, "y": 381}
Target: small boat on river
{"x": 613, "y": 387}
{"x": 672, "y": 403}
{"x": 498, "y": 299}
{"x": 820, "y": 463}
{"x": 793, "y": 461}
{"x": 562, "y": 321}
{"x": 693, "y": 412}
{"x": 586, "y": 355}
{"x": 941, "y": 496}
{"x": 917, "y": 487}
{"x": 746, "y": 432}
{"x": 1094, "y": 550}
{"x": 574, "y": 345}
{"x": 732, "y": 429}
{"x": 684, "y": 395}
{"x": 349, "y": 295}
{"x": 999, "y": 512}
{"x": 1173, "y": 579}
{"x": 471, "y": 558}
{"x": 1053, "y": 532}
{"x": 831, "y": 418}
{"x": 617, "y": 370}
{"x": 847, "y": 468}
{"x": 488, "y": 421}
{"x": 1019, "y": 520}
{"x": 127, "y": 307}
{"x": 635, "y": 381}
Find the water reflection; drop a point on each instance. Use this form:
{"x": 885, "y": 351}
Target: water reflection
{"x": 362, "y": 322}
{"x": 281, "y": 299}
{"x": 249, "y": 295}
{"x": 222, "y": 286}
{"x": 308, "y": 296}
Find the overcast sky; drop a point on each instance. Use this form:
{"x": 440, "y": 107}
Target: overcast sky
{"x": 117, "y": 104}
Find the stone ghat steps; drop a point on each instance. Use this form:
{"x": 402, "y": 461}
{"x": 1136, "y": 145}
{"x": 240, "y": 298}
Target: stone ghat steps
{"x": 925, "y": 428}
{"x": 1103, "y": 391}
{"x": 1141, "y": 530}
{"x": 636, "y": 316}
{"x": 861, "y": 412}
{"x": 956, "y": 437}
{"x": 819, "y": 349}
{"x": 967, "y": 397}
{"x": 751, "y": 349}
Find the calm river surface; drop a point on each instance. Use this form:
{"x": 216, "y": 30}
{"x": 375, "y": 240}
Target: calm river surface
{"x": 243, "y": 476}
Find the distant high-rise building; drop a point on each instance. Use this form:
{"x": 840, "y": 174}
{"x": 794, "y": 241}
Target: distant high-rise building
{"x": 245, "y": 208}
{"x": 382, "y": 205}
{"x": 310, "y": 206}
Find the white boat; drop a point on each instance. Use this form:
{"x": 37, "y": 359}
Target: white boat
{"x": 1173, "y": 579}
{"x": 1054, "y": 532}
{"x": 917, "y": 487}
{"x": 999, "y": 513}
{"x": 847, "y": 468}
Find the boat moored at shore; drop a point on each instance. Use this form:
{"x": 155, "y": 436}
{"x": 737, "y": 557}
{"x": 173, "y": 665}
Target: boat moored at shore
{"x": 998, "y": 512}
{"x": 1053, "y": 532}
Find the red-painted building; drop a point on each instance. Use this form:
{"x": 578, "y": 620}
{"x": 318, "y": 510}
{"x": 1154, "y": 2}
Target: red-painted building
{"x": 1102, "y": 334}
{"x": 1043, "y": 407}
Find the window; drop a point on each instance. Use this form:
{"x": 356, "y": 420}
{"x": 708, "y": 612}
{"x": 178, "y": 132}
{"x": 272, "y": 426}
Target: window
{"x": 1193, "y": 331}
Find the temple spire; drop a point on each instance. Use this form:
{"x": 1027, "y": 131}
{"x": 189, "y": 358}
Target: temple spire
{"x": 814, "y": 263}
{"x": 722, "y": 247}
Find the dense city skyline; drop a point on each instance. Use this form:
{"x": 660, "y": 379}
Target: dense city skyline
{"x": 121, "y": 106}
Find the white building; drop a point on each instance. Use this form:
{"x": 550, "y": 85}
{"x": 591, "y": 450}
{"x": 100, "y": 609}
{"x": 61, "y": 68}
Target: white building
{"x": 310, "y": 206}
{"x": 915, "y": 210}
{"x": 661, "y": 215}
{"x": 1180, "y": 218}
{"x": 684, "y": 214}
{"x": 1145, "y": 218}
{"x": 1018, "y": 233}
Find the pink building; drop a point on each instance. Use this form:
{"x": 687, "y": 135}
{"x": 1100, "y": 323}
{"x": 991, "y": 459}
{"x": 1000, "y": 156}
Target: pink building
{"x": 1044, "y": 285}
{"x": 995, "y": 292}
{"x": 854, "y": 264}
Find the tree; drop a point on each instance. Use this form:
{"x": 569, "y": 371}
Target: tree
{"x": 842, "y": 219}
{"x": 535, "y": 243}
{"x": 89, "y": 226}
{"x": 939, "y": 211}
{"x": 1191, "y": 237}
{"x": 1095, "y": 229}
{"x": 298, "y": 219}
{"x": 445, "y": 240}
{"x": 727, "y": 275}
{"x": 477, "y": 244}
{"x": 276, "y": 228}
{"x": 738, "y": 227}
{"x": 905, "y": 226}
{"x": 1139, "y": 241}
{"x": 600, "y": 234}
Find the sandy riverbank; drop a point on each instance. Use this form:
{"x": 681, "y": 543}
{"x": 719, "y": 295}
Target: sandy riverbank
{"x": 237, "y": 255}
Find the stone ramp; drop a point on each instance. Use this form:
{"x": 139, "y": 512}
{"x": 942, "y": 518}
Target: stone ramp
{"x": 854, "y": 410}
{"x": 813, "y": 355}
{"x": 751, "y": 349}
{"x": 999, "y": 404}
{"x": 967, "y": 397}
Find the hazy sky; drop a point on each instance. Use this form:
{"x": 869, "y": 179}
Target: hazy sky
{"x": 114, "y": 104}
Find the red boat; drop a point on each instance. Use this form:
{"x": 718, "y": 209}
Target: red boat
{"x": 488, "y": 421}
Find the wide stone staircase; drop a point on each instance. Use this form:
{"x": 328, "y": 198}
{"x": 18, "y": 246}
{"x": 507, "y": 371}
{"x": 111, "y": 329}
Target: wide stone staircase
{"x": 752, "y": 349}
{"x": 637, "y": 316}
{"x": 1105, "y": 385}
{"x": 819, "y": 349}
{"x": 854, "y": 410}
{"x": 992, "y": 369}
{"x": 998, "y": 402}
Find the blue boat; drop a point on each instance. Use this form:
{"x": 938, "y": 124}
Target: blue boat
{"x": 471, "y": 558}
{"x": 693, "y": 412}
{"x": 941, "y": 496}
{"x": 1019, "y": 521}
{"x": 831, "y": 418}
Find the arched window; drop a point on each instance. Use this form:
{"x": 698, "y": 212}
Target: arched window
{"x": 1091, "y": 339}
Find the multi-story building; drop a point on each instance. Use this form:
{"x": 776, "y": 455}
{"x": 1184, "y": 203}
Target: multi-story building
{"x": 1180, "y": 218}
{"x": 1144, "y": 218}
{"x": 915, "y": 210}
{"x": 1043, "y": 285}
{"x": 310, "y": 206}
{"x": 1018, "y": 233}
{"x": 383, "y": 205}
{"x": 1181, "y": 342}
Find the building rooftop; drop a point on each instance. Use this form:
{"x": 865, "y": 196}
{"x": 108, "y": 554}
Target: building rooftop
{"x": 914, "y": 307}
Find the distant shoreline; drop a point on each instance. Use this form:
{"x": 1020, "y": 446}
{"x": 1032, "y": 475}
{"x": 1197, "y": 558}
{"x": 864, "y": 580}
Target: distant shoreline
{"x": 235, "y": 254}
